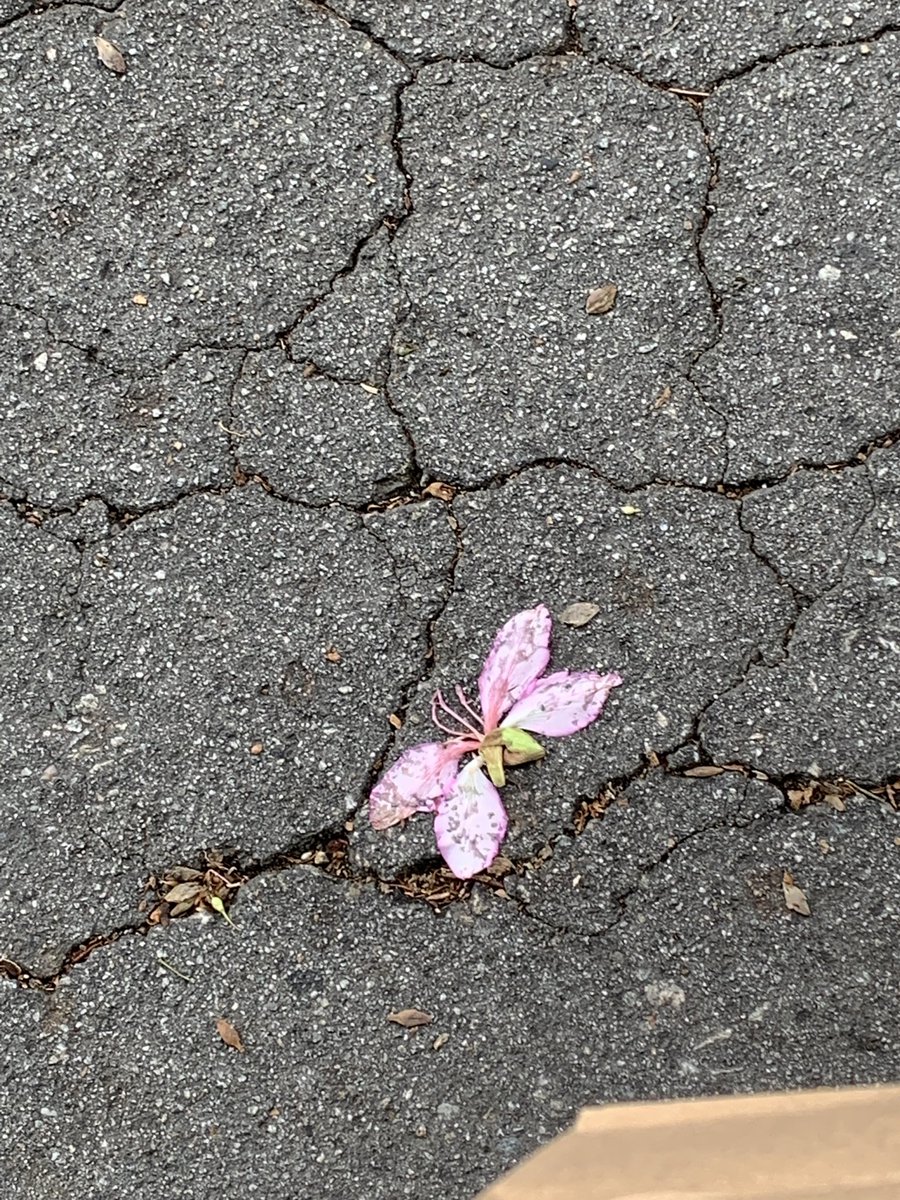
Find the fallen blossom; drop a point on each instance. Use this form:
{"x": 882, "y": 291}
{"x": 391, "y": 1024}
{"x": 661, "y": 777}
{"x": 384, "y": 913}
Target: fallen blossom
{"x": 517, "y": 701}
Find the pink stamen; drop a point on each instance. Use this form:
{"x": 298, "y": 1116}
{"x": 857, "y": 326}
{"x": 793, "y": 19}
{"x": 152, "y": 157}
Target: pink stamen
{"x": 479, "y": 720}
{"x": 455, "y": 734}
{"x": 438, "y": 702}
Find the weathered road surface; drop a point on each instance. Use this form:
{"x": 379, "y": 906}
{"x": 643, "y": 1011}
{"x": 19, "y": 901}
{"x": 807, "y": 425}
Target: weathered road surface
{"x": 258, "y": 292}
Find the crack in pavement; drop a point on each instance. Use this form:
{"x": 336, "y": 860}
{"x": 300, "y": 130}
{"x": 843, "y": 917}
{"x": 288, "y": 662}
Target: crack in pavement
{"x": 413, "y": 492}
{"x": 760, "y": 62}
{"x": 802, "y": 602}
{"x": 645, "y": 870}
{"x": 427, "y": 881}
{"x": 767, "y": 60}
{"x": 408, "y": 690}
{"x": 714, "y": 296}
{"x": 569, "y": 42}
{"x": 314, "y": 844}
{"x": 798, "y": 791}
{"x": 393, "y": 220}
{"x": 38, "y": 7}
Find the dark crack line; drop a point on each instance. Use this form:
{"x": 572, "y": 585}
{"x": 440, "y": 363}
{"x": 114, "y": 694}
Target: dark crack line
{"x": 329, "y": 11}
{"x": 784, "y": 784}
{"x": 40, "y": 7}
{"x": 708, "y": 210}
{"x": 325, "y": 852}
{"x": 798, "y": 601}
{"x": 393, "y": 221}
{"x": 412, "y": 685}
{"x": 645, "y": 870}
{"x": 803, "y": 603}
{"x": 572, "y": 40}
{"x": 499, "y": 480}
{"x": 754, "y": 659}
{"x": 767, "y": 60}
{"x": 715, "y": 298}
{"x": 703, "y": 91}
{"x": 120, "y": 515}
{"x": 622, "y": 899}
{"x": 855, "y": 459}
{"x": 91, "y": 353}
{"x": 411, "y": 491}
{"x": 283, "y": 336}
{"x": 788, "y": 809}
{"x": 567, "y": 43}
{"x": 307, "y": 843}
{"x": 400, "y": 218}
{"x": 743, "y": 486}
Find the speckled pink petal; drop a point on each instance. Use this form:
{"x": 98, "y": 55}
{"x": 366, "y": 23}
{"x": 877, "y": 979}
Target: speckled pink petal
{"x": 562, "y": 703}
{"x": 519, "y": 654}
{"x": 416, "y": 782}
{"x": 470, "y": 824}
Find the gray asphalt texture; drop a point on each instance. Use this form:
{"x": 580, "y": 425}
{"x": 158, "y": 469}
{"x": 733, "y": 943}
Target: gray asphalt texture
{"x": 296, "y": 265}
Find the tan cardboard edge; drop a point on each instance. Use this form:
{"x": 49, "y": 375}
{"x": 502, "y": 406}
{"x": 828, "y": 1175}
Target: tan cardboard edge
{"x": 828, "y": 1144}
{"x": 651, "y": 1113}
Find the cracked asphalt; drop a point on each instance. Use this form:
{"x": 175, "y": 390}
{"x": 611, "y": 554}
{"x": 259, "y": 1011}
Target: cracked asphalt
{"x": 300, "y": 401}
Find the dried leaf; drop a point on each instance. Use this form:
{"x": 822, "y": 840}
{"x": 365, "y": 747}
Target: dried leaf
{"x": 370, "y": 388}
{"x": 229, "y": 1034}
{"x": 183, "y": 892}
{"x": 601, "y": 299}
{"x": 443, "y": 491}
{"x": 256, "y": 748}
{"x": 395, "y": 721}
{"x": 630, "y": 511}
{"x": 794, "y": 897}
{"x": 835, "y": 802}
{"x": 140, "y": 299}
{"x": 110, "y": 55}
{"x": 798, "y": 797}
{"x": 410, "y": 1018}
{"x": 575, "y": 176}
{"x": 501, "y": 866}
{"x": 579, "y": 613}
{"x": 440, "y": 1041}
{"x": 663, "y": 398}
{"x": 332, "y": 654}
{"x": 179, "y": 875}
{"x": 704, "y": 772}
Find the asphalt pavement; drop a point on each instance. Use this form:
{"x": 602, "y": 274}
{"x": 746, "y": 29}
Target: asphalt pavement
{"x": 303, "y": 396}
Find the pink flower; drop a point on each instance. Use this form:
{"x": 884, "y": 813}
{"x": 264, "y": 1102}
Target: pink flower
{"x": 469, "y": 817}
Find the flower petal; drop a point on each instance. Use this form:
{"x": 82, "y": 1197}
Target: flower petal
{"x": 415, "y": 783}
{"x": 470, "y": 823}
{"x": 562, "y": 703}
{"x": 519, "y": 654}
